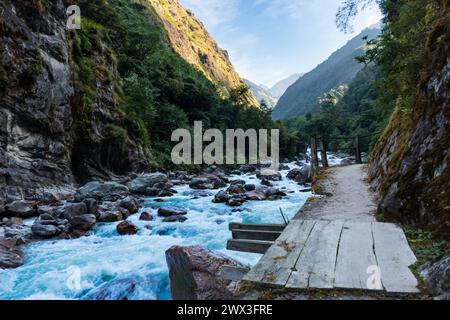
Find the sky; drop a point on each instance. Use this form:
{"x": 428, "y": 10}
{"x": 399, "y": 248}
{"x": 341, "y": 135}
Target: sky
{"x": 268, "y": 40}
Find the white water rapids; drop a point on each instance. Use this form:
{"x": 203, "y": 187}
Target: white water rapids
{"x": 106, "y": 256}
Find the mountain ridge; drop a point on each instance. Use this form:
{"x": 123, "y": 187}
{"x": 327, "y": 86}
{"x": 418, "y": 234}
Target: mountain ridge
{"x": 340, "y": 68}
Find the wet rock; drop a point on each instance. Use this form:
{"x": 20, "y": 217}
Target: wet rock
{"x": 131, "y": 204}
{"x": 126, "y": 228}
{"x": 236, "y": 189}
{"x": 269, "y": 174}
{"x": 114, "y": 290}
{"x": 207, "y": 181}
{"x": 248, "y": 168}
{"x": 194, "y": 272}
{"x": 437, "y": 278}
{"x": 201, "y": 194}
{"x": 284, "y": 167}
{"x": 166, "y": 193}
{"x": 300, "y": 175}
{"x": 266, "y": 182}
{"x": 221, "y": 197}
{"x": 10, "y": 254}
{"x": 84, "y": 222}
{"x": 72, "y": 210}
{"x": 237, "y": 182}
{"x": 235, "y": 202}
{"x": 169, "y": 211}
{"x": 92, "y": 206}
{"x": 141, "y": 184}
{"x": 145, "y": 216}
{"x": 22, "y": 209}
{"x": 99, "y": 190}
{"x": 256, "y": 195}
{"x": 274, "y": 194}
{"x": 110, "y": 216}
{"x": 250, "y": 187}
{"x": 175, "y": 218}
{"x": 44, "y": 231}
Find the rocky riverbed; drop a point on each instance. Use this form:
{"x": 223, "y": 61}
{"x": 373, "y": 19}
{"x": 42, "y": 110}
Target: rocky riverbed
{"x": 107, "y": 240}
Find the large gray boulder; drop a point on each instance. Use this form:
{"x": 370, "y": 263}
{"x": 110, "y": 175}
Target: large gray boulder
{"x": 193, "y": 273}
{"x": 99, "y": 190}
{"x": 84, "y": 222}
{"x": 301, "y": 175}
{"x": 169, "y": 211}
{"x": 22, "y": 209}
{"x": 146, "y": 182}
{"x": 10, "y": 254}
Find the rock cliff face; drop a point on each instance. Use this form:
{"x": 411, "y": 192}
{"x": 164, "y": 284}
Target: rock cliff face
{"x": 189, "y": 38}
{"x": 41, "y": 143}
{"x": 410, "y": 167}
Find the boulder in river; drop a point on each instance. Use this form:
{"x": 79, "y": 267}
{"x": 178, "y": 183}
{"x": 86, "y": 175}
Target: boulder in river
{"x": 22, "y": 209}
{"x": 84, "y": 222}
{"x": 250, "y": 187}
{"x": 10, "y": 254}
{"x": 44, "y": 231}
{"x": 73, "y": 210}
{"x": 143, "y": 184}
{"x": 207, "y": 181}
{"x": 110, "y": 216}
{"x": 301, "y": 175}
{"x": 269, "y": 174}
{"x": 169, "y": 211}
{"x": 99, "y": 190}
{"x": 194, "y": 272}
{"x": 175, "y": 218}
{"x": 145, "y": 216}
{"x": 126, "y": 228}
{"x": 221, "y": 197}
{"x": 236, "y": 189}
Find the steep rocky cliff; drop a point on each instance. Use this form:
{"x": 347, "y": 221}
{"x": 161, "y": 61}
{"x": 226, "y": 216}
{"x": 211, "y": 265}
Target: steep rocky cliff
{"x": 49, "y": 127}
{"x": 410, "y": 166}
{"x": 191, "y": 40}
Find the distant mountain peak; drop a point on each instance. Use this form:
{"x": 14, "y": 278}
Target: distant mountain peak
{"x": 340, "y": 68}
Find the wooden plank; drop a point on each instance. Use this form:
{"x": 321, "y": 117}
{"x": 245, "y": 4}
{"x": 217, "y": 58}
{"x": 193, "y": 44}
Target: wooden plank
{"x": 256, "y": 235}
{"x": 262, "y": 227}
{"x": 316, "y": 264}
{"x": 394, "y": 257}
{"x": 355, "y": 257}
{"x": 251, "y": 246}
{"x": 275, "y": 267}
{"x": 232, "y": 273}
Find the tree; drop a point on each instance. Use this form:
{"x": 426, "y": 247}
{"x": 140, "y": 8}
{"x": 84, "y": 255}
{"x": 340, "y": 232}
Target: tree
{"x": 348, "y": 10}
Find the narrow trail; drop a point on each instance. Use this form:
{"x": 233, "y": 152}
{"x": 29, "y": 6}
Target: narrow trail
{"x": 347, "y": 197}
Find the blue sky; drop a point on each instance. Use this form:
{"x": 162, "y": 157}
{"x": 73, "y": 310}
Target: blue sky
{"x": 269, "y": 40}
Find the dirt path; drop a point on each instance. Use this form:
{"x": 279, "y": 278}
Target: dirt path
{"x": 347, "y": 197}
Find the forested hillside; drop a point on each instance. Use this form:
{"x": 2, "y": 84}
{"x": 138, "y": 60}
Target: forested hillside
{"x": 85, "y": 104}
{"x": 340, "y": 68}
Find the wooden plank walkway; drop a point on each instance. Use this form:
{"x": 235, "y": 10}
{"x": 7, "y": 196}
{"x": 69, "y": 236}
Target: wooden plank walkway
{"x": 338, "y": 255}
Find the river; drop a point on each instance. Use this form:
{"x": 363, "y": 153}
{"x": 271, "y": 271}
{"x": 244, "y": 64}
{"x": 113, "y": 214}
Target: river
{"x": 106, "y": 256}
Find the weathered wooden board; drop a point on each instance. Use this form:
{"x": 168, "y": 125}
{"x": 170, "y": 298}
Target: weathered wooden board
{"x": 262, "y": 227}
{"x": 275, "y": 267}
{"x": 232, "y": 273}
{"x": 256, "y": 235}
{"x": 316, "y": 264}
{"x": 251, "y": 246}
{"x": 356, "y": 257}
{"x": 394, "y": 257}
